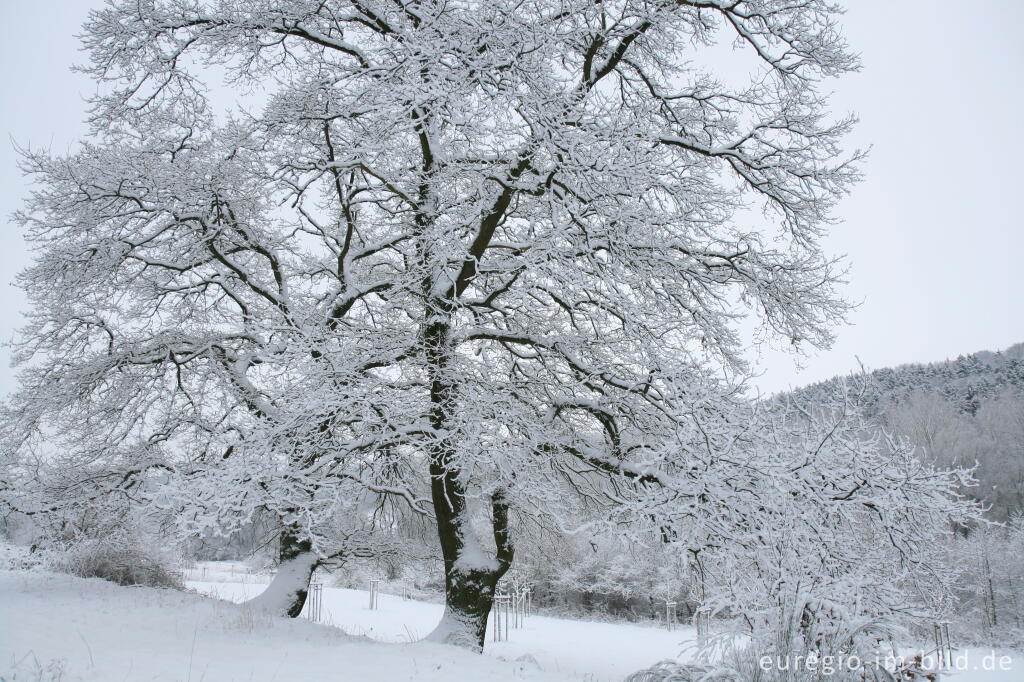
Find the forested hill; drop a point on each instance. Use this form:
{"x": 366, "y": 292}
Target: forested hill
{"x": 965, "y": 383}
{"x": 963, "y": 412}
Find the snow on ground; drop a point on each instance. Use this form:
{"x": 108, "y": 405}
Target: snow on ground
{"x": 60, "y": 628}
{"x": 581, "y": 649}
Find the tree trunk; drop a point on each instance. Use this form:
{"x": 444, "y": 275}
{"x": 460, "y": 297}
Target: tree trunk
{"x": 286, "y": 593}
{"x": 990, "y": 592}
{"x": 470, "y": 575}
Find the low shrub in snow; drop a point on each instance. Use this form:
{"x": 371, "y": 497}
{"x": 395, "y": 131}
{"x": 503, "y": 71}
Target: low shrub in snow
{"x": 793, "y": 644}
{"x": 17, "y": 558}
{"x": 670, "y": 671}
{"x": 122, "y": 558}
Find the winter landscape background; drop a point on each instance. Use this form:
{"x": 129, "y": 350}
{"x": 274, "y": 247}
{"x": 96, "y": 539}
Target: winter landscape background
{"x": 538, "y": 339}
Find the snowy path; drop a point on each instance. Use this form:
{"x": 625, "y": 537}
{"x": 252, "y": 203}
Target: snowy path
{"x": 584, "y": 650}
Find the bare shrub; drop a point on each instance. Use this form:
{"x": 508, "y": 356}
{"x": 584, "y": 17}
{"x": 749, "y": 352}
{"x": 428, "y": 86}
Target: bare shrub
{"x": 123, "y": 558}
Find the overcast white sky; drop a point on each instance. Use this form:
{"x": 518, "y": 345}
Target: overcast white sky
{"x": 934, "y": 235}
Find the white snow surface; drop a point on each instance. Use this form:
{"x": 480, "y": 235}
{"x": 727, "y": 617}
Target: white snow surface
{"x": 580, "y": 650}
{"x": 58, "y": 627}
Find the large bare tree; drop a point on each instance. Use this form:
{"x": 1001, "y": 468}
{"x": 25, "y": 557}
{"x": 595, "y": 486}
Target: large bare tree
{"x": 497, "y": 249}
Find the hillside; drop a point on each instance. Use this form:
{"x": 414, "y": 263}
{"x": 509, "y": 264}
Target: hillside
{"x": 965, "y": 412}
{"x": 965, "y": 382}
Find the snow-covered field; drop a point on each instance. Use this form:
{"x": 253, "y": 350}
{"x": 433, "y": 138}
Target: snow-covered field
{"x": 64, "y": 629}
{"x": 59, "y": 628}
{"x": 580, "y": 649}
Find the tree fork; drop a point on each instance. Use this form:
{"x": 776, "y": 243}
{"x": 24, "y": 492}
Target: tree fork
{"x": 470, "y": 581}
{"x": 470, "y": 578}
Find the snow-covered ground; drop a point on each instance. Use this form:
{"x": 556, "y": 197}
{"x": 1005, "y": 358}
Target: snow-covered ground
{"x": 583, "y": 650}
{"x": 588, "y": 651}
{"x": 57, "y": 628}
{"x": 60, "y": 628}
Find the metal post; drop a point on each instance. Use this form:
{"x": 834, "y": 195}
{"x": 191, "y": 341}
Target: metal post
{"x": 374, "y": 588}
{"x": 497, "y": 618}
{"x": 702, "y": 621}
{"x": 949, "y": 644}
{"x": 315, "y": 602}
{"x": 943, "y": 645}
{"x": 502, "y": 603}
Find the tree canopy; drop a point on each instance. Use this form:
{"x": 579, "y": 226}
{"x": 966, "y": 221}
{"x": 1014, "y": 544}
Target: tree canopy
{"x": 463, "y": 260}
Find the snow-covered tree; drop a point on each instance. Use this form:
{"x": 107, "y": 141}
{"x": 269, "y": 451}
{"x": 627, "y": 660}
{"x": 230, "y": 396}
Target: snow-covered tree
{"x": 853, "y": 542}
{"x": 181, "y": 351}
{"x": 498, "y": 249}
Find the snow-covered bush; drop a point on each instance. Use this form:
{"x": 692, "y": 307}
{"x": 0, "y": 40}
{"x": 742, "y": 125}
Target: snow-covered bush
{"x": 93, "y": 533}
{"x": 107, "y": 537}
{"x": 792, "y": 652}
{"x": 603, "y": 577}
{"x": 830, "y": 543}
{"x": 798, "y": 650}
{"x": 123, "y": 557}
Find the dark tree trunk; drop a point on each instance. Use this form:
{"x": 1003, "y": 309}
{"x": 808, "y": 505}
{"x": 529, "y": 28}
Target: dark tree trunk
{"x": 470, "y": 580}
{"x": 470, "y": 575}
